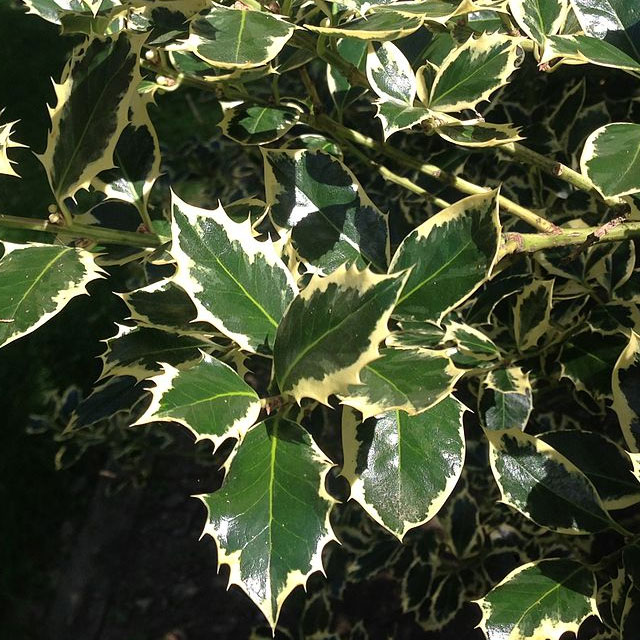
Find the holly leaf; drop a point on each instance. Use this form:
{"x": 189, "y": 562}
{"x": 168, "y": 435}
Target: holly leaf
{"x": 237, "y": 283}
{"x": 411, "y": 380}
{"x": 91, "y": 112}
{"x": 539, "y": 18}
{"x": 332, "y": 330}
{"x": 543, "y": 485}
{"x": 330, "y": 218}
{"x": 270, "y": 519}
{"x": 236, "y": 38}
{"x": 611, "y": 159}
{"x": 210, "y": 399}
{"x": 471, "y": 72}
{"x": 625, "y": 385}
{"x": 402, "y": 468}
{"x": 451, "y": 255}
{"x": 36, "y": 282}
{"x": 542, "y": 599}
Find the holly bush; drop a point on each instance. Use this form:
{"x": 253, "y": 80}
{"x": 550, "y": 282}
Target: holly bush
{"x": 382, "y": 255}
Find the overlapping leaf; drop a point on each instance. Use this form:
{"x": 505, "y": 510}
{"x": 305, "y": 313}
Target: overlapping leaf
{"x": 539, "y": 18}
{"x": 611, "y": 159}
{"x": 402, "y": 468}
{"x": 505, "y": 400}
{"x": 392, "y": 78}
{"x": 532, "y": 312}
{"x": 578, "y": 49}
{"x": 452, "y": 254}
{"x": 614, "y": 20}
{"x": 330, "y": 218}
{"x": 210, "y": 399}
{"x": 36, "y": 282}
{"x": 138, "y": 351}
{"x": 544, "y": 485}
{"x": 473, "y": 71}
{"x": 258, "y": 124}
{"x": 236, "y": 38}
{"x": 387, "y": 25}
{"x": 270, "y": 519}
{"x": 6, "y": 143}
{"x": 332, "y": 330}
{"x": 238, "y": 284}
{"x": 410, "y": 380}
{"x": 93, "y": 101}
{"x": 137, "y": 156}
{"x": 607, "y": 465}
{"x": 541, "y": 599}
{"x": 588, "y": 358}
{"x": 625, "y": 384}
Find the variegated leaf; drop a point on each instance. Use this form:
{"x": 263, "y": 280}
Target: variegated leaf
{"x": 473, "y": 71}
{"x": 544, "y": 485}
{"x": 392, "y": 79}
{"x": 390, "y": 74}
{"x": 93, "y": 101}
{"x": 626, "y": 384}
{"x": 331, "y": 220}
{"x": 402, "y": 468}
{"x": 480, "y": 134}
{"x": 236, "y": 38}
{"x": 471, "y": 341}
{"x": 452, "y": 254}
{"x": 606, "y": 464}
{"x": 409, "y": 380}
{"x": 342, "y": 92}
{"x": 210, "y": 399}
{"x": 248, "y": 124}
{"x": 138, "y": 351}
{"x": 580, "y": 49}
{"x": 588, "y": 358}
{"x": 539, "y": 601}
{"x": 532, "y": 312}
{"x": 238, "y": 284}
{"x": 36, "y": 282}
{"x": 137, "y": 159}
{"x": 505, "y": 400}
{"x": 270, "y": 519}
{"x": 615, "y": 20}
{"x": 332, "y": 330}
{"x": 166, "y": 306}
{"x": 611, "y": 159}
{"x": 539, "y": 18}
{"x": 6, "y": 143}
{"x": 387, "y": 25}
{"x": 396, "y": 116}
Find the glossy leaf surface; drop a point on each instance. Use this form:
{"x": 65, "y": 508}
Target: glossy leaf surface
{"x": 452, "y": 254}
{"x": 539, "y": 600}
{"x": 238, "y": 284}
{"x": 544, "y": 485}
{"x": 402, "y": 468}
{"x": 410, "y": 380}
{"x": 611, "y": 159}
{"x": 270, "y": 519}
{"x": 36, "y": 282}
{"x": 330, "y": 217}
{"x": 332, "y": 330}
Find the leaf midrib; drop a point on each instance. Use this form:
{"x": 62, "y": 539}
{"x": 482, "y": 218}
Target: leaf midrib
{"x": 306, "y": 350}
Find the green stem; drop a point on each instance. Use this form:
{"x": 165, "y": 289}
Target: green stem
{"x": 553, "y": 168}
{"x": 332, "y": 127}
{"x": 531, "y": 242}
{"x": 401, "y": 181}
{"x": 351, "y": 72}
{"x": 99, "y": 234}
